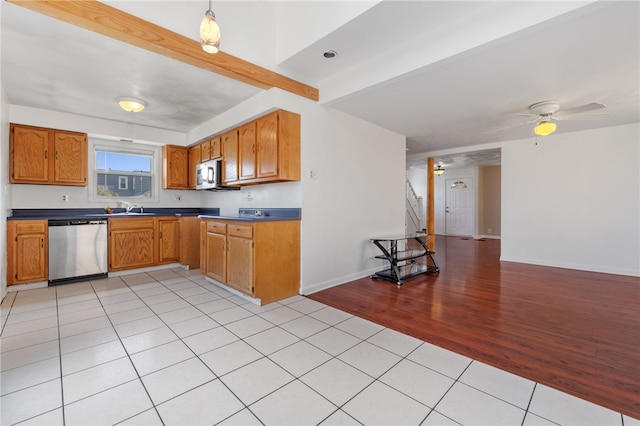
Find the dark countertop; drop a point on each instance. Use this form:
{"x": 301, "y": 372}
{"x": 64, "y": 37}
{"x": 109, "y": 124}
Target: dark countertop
{"x": 245, "y": 215}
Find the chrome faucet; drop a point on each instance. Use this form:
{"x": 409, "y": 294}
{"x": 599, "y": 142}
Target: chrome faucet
{"x": 128, "y": 207}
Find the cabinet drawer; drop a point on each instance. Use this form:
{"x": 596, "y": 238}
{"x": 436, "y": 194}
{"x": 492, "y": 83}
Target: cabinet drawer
{"x": 131, "y": 223}
{"x": 217, "y": 227}
{"x": 241, "y": 231}
{"x": 31, "y": 227}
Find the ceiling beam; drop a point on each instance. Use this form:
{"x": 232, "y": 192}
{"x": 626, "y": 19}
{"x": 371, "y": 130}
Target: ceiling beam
{"x": 119, "y": 25}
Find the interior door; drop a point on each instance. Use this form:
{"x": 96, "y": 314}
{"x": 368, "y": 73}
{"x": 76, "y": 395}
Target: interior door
{"x": 459, "y": 207}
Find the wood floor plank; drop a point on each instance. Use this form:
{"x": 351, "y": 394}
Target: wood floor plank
{"x": 576, "y": 331}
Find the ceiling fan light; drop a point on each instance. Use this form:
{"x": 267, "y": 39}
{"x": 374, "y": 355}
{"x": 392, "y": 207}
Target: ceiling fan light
{"x": 545, "y": 128}
{"x": 209, "y": 33}
{"x": 438, "y": 170}
{"x": 131, "y": 104}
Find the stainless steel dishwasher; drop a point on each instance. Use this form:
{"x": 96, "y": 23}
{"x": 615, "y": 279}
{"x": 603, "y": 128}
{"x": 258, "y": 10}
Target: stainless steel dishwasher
{"x": 77, "y": 250}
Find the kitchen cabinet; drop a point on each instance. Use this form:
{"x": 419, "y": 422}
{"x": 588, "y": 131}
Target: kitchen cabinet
{"x": 194, "y": 160}
{"x": 230, "y": 164}
{"x": 175, "y": 167}
{"x": 247, "y": 151}
{"x": 269, "y": 149}
{"x": 189, "y": 231}
{"x": 203, "y": 246}
{"x": 240, "y": 258}
{"x": 168, "y": 239}
{"x": 216, "y": 251}
{"x": 259, "y": 259}
{"x": 47, "y": 156}
{"x": 27, "y": 251}
{"x": 131, "y": 243}
{"x": 210, "y": 149}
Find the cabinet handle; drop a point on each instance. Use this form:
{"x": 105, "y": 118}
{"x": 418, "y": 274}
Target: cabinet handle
{"x": 56, "y": 156}
{"x": 41, "y": 242}
{"x": 160, "y": 235}
{"x": 46, "y": 155}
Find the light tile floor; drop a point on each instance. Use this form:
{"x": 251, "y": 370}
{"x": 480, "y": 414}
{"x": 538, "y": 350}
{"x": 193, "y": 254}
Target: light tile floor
{"x": 167, "y": 347}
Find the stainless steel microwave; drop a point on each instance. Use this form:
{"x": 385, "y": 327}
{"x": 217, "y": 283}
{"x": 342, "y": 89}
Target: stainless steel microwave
{"x": 209, "y": 174}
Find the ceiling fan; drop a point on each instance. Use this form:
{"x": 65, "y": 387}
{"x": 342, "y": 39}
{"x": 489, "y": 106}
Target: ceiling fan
{"x": 547, "y": 112}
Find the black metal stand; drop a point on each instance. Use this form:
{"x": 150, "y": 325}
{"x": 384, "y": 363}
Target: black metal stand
{"x": 398, "y": 270}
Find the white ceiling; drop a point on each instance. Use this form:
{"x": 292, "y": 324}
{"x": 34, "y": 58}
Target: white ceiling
{"x": 445, "y": 74}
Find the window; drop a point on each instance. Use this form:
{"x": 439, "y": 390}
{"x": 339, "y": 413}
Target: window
{"x": 122, "y": 182}
{"x": 123, "y": 173}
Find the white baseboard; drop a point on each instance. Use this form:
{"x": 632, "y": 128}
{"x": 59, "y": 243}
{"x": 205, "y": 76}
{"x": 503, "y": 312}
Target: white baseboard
{"x": 578, "y": 267}
{"x": 314, "y": 288}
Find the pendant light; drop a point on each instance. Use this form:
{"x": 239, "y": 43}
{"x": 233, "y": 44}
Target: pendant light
{"x": 209, "y": 32}
{"x": 438, "y": 170}
{"x": 545, "y": 128}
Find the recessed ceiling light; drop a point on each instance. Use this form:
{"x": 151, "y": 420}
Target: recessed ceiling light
{"x": 330, "y": 54}
{"x": 131, "y": 104}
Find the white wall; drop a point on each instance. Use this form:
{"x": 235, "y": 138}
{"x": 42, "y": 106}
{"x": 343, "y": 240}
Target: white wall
{"x": 573, "y": 200}
{"x": 5, "y": 197}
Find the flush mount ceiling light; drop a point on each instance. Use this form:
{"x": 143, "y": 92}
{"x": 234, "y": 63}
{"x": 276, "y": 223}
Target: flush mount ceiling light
{"x": 209, "y": 32}
{"x": 131, "y": 104}
{"x": 545, "y": 128}
{"x": 438, "y": 170}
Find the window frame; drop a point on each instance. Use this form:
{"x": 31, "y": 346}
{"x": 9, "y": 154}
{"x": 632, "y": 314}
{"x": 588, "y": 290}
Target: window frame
{"x": 125, "y": 148}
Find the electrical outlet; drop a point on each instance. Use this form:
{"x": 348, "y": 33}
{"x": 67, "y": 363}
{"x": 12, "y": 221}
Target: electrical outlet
{"x": 65, "y": 198}
{"x": 313, "y": 174}
{"x": 177, "y": 198}
{"x": 489, "y": 230}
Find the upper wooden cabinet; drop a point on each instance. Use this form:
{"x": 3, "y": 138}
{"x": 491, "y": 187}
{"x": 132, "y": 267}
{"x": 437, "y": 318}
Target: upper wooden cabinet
{"x": 47, "y": 156}
{"x": 210, "y": 149}
{"x": 230, "y": 164}
{"x": 247, "y": 151}
{"x": 194, "y": 160}
{"x": 175, "y": 167}
{"x": 277, "y": 148}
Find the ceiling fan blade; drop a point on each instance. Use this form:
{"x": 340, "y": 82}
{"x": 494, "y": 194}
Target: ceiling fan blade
{"x": 580, "y": 109}
{"x": 596, "y": 116}
{"x": 511, "y": 126}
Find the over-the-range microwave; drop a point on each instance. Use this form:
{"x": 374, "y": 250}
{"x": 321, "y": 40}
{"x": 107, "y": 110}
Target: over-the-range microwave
{"x": 209, "y": 176}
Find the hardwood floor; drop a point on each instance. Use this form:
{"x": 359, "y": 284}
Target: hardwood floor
{"x": 576, "y": 331}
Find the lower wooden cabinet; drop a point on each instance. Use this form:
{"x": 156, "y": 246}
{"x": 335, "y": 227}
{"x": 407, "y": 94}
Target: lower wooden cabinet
{"x": 27, "y": 251}
{"x": 131, "y": 243}
{"x": 137, "y": 242}
{"x": 168, "y": 239}
{"x": 260, "y": 259}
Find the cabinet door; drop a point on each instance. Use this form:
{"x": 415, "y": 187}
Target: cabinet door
{"x": 215, "y": 148}
{"x": 30, "y": 258}
{"x": 70, "y": 158}
{"x": 230, "y": 156}
{"x": 131, "y": 248}
{"x": 240, "y": 264}
{"x": 168, "y": 240}
{"x": 194, "y": 160}
{"x": 247, "y": 150}
{"x": 203, "y": 247}
{"x": 267, "y": 139}
{"x": 175, "y": 167}
{"x": 29, "y": 153}
{"x": 205, "y": 151}
{"x": 216, "y": 256}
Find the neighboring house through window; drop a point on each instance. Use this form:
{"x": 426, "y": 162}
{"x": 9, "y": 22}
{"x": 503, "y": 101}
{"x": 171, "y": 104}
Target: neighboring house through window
{"x": 123, "y": 174}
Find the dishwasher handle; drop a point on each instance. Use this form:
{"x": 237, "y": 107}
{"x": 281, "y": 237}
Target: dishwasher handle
{"x": 76, "y": 222}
